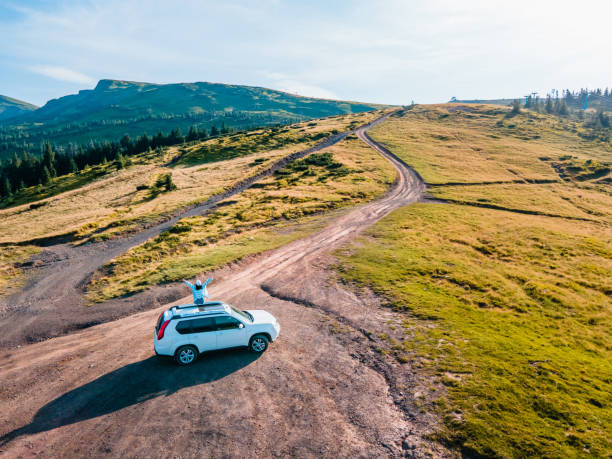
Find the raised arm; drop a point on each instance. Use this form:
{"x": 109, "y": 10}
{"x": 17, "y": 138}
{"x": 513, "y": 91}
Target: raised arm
{"x": 188, "y": 283}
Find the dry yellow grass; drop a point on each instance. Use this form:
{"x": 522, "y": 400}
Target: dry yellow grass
{"x": 555, "y": 199}
{"x": 506, "y": 315}
{"x": 10, "y": 272}
{"x": 278, "y": 210}
{"x": 448, "y": 144}
{"x": 115, "y": 197}
{"x": 114, "y": 200}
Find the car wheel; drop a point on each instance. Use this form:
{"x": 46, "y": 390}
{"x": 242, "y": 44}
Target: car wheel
{"x": 186, "y": 355}
{"x": 258, "y": 344}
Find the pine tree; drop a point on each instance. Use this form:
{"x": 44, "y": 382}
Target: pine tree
{"x": 73, "y": 166}
{"x": 46, "y": 176}
{"x": 5, "y": 188}
{"x": 193, "y": 134}
{"x": 168, "y": 183}
{"x": 49, "y": 160}
{"x": 120, "y": 162}
{"x": 214, "y": 131}
{"x": 127, "y": 144}
{"x": 549, "y": 105}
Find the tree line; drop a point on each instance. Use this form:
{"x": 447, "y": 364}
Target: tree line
{"x": 561, "y": 102}
{"x": 40, "y": 169}
{"x": 569, "y": 103}
{"x": 17, "y": 138}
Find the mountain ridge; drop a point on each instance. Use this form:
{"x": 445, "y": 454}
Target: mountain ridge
{"x": 114, "y": 108}
{"x": 11, "y": 107}
{"x": 195, "y": 97}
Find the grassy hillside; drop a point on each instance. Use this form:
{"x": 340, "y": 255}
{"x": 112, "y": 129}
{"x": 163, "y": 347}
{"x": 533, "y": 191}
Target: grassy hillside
{"x": 112, "y": 200}
{"x": 10, "y": 108}
{"x": 115, "y": 108}
{"x": 277, "y": 210}
{"x": 103, "y": 202}
{"x": 504, "y": 283}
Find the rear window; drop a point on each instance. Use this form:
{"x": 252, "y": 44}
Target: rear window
{"x": 160, "y": 321}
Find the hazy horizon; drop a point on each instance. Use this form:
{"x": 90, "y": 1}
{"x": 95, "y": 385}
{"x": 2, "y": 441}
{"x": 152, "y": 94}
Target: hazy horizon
{"x": 381, "y": 52}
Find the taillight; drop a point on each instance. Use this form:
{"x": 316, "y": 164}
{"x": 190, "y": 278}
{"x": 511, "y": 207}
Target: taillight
{"x": 162, "y": 329}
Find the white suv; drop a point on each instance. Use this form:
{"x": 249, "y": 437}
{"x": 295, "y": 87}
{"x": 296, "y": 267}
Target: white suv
{"x": 188, "y": 330}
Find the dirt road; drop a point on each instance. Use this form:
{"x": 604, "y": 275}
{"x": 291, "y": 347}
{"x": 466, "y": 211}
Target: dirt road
{"x": 320, "y": 390}
{"x": 52, "y": 302}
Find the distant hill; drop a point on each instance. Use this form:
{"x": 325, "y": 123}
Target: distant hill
{"x": 114, "y": 108}
{"x": 485, "y": 101}
{"x": 11, "y": 108}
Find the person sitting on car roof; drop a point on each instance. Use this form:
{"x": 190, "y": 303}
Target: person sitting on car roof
{"x": 200, "y": 293}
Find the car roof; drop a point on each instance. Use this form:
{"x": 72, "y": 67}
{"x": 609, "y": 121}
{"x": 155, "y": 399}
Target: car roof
{"x": 197, "y": 310}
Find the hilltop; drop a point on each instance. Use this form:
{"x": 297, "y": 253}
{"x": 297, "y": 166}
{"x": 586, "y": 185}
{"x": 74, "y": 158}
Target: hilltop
{"x": 10, "y": 108}
{"x": 115, "y": 108}
{"x": 118, "y": 100}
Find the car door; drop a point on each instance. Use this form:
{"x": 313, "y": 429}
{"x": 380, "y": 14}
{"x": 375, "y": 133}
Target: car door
{"x": 230, "y": 332}
{"x": 201, "y": 332}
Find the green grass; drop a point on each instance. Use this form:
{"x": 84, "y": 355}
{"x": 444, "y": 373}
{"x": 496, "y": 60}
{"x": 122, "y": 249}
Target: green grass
{"x": 273, "y": 138}
{"x": 241, "y": 145}
{"x": 505, "y": 315}
{"x": 581, "y": 170}
{"x": 521, "y": 305}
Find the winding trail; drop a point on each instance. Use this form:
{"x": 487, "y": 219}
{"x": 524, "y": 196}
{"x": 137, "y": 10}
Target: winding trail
{"x": 52, "y": 302}
{"x": 316, "y": 392}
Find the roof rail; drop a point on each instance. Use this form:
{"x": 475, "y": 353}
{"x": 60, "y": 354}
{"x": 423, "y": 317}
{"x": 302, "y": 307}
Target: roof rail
{"x": 193, "y": 305}
{"x": 194, "y": 310}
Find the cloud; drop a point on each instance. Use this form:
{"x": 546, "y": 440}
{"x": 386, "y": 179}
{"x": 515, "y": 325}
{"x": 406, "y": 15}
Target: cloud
{"x": 390, "y": 51}
{"x": 63, "y": 74}
{"x": 288, "y": 84}
{"x": 308, "y": 90}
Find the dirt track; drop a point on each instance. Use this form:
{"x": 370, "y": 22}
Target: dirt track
{"x": 320, "y": 390}
{"x": 52, "y": 303}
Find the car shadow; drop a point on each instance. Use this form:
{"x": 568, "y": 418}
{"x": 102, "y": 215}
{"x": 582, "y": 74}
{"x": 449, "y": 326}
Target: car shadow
{"x": 130, "y": 385}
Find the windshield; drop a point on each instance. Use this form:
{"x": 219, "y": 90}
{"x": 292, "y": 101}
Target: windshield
{"x": 245, "y": 314}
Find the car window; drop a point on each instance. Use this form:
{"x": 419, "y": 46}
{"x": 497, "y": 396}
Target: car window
{"x": 184, "y": 327}
{"x": 227, "y": 323}
{"x": 196, "y": 326}
{"x": 206, "y": 324}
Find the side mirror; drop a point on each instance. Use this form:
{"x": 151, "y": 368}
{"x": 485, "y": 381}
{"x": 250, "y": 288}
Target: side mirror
{"x": 241, "y": 325}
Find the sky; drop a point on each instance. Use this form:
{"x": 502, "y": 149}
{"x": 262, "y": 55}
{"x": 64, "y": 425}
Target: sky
{"x": 387, "y": 51}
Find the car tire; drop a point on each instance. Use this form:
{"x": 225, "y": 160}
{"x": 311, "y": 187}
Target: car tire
{"x": 258, "y": 344}
{"x": 186, "y": 355}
